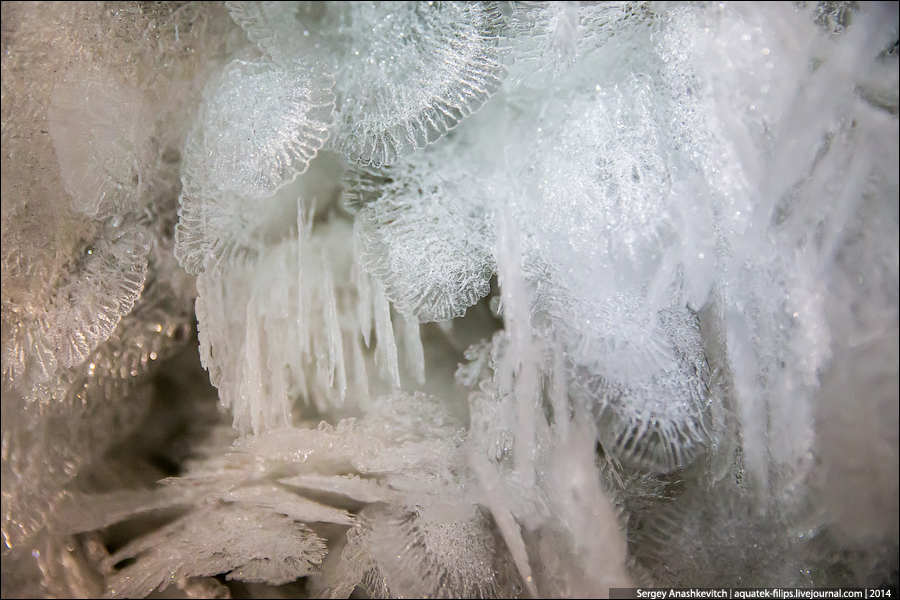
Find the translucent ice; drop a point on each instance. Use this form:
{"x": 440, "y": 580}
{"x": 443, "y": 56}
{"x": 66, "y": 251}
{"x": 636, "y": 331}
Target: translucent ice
{"x": 551, "y": 37}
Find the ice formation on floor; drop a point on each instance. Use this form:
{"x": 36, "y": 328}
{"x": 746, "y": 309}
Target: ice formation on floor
{"x": 518, "y": 299}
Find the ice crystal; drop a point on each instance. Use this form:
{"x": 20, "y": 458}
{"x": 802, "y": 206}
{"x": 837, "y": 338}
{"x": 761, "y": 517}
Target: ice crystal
{"x": 262, "y": 124}
{"x": 659, "y": 422}
{"x": 492, "y": 299}
{"x": 96, "y": 126}
{"x": 89, "y": 298}
{"x": 551, "y": 37}
{"x": 420, "y": 216}
{"x": 429, "y": 554}
{"x": 215, "y": 540}
{"x": 426, "y": 66}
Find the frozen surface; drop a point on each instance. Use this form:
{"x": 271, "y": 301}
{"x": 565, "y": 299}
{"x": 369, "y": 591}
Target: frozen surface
{"x": 215, "y": 540}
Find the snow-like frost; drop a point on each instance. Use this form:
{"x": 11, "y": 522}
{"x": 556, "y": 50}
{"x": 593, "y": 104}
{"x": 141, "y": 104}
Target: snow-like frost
{"x": 241, "y": 542}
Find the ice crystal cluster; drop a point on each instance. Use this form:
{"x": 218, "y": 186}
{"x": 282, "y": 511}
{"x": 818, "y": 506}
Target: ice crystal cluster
{"x": 519, "y": 299}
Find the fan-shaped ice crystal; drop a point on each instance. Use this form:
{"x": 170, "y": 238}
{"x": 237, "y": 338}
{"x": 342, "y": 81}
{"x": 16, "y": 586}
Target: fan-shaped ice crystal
{"x": 425, "y": 232}
{"x": 100, "y": 134}
{"x": 659, "y": 423}
{"x": 425, "y": 65}
{"x": 285, "y": 31}
{"x": 551, "y": 37}
{"x": 420, "y": 554}
{"x": 610, "y": 183}
{"x": 260, "y": 125}
{"x": 80, "y": 309}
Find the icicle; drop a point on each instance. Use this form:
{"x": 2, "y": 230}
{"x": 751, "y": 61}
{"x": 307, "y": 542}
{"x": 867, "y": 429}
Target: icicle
{"x": 277, "y": 337}
{"x": 253, "y": 375}
{"x": 528, "y": 389}
{"x": 751, "y": 401}
{"x": 386, "y": 351}
{"x": 300, "y": 377}
{"x": 412, "y": 346}
{"x": 364, "y": 294}
{"x": 516, "y": 309}
{"x": 304, "y": 230}
{"x": 499, "y": 506}
{"x": 520, "y": 355}
{"x": 360, "y": 378}
{"x": 588, "y": 515}
{"x": 559, "y": 396}
{"x": 333, "y": 334}
{"x": 208, "y": 296}
{"x": 279, "y": 394}
{"x": 320, "y": 390}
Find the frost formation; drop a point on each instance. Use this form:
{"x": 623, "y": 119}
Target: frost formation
{"x": 517, "y": 299}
